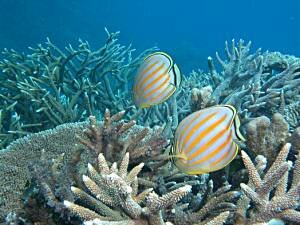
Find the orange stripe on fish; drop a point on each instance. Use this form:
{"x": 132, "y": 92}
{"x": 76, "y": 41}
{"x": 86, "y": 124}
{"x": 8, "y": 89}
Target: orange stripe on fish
{"x": 185, "y": 130}
{"x": 161, "y": 93}
{"x": 197, "y": 126}
{"x": 146, "y": 95}
{"x": 155, "y": 77}
{"x": 216, "y": 151}
{"x": 152, "y": 74}
{"x": 156, "y": 80}
{"x": 206, "y": 143}
{"x": 146, "y": 70}
{"x": 202, "y": 135}
{"x": 209, "y": 143}
{"x": 225, "y": 155}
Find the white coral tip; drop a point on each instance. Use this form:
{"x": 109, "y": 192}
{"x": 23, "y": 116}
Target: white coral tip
{"x": 67, "y": 203}
{"x": 85, "y": 178}
{"x": 90, "y": 167}
{"x": 187, "y": 188}
{"x": 74, "y": 189}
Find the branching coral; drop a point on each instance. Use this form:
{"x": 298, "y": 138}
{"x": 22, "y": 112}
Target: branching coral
{"x": 114, "y": 137}
{"x": 116, "y": 199}
{"x": 59, "y": 86}
{"x": 52, "y": 86}
{"x": 109, "y": 137}
{"x": 215, "y": 204}
{"x": 269, "y": 204}
{"x": 253, "y": 83}
{"x": 115, "y": 196}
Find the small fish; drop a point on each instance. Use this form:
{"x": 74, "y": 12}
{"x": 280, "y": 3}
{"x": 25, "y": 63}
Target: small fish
{"x": 156, "y": 80}
{"x": 205, "y": 140}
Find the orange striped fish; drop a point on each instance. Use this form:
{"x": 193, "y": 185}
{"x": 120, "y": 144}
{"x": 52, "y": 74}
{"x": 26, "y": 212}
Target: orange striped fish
{"x": 205, "y": 140}
{"x": 156, "y": 80}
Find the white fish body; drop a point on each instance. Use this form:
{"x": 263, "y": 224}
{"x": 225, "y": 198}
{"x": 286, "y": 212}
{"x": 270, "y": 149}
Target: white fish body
{"x": 204, "y": 141}
{"x": 156, "y": 80}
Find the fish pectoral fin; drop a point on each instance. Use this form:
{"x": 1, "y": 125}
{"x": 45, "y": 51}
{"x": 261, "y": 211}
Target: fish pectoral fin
{"x": 182, "y": 156}
{"x": 179, "y": 156}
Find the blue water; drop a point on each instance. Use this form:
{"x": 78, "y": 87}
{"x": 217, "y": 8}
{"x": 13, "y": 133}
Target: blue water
{"x": 190, "y": 30}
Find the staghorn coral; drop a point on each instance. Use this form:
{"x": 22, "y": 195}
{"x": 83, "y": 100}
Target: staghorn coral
{"x": 116, "y": 196}
{"x": 67, "y": 85}
{"x": 53, "y": 175}
{"x": 113, "y": 138}
{"x": 206, "y": 200}
{"x": 270, "y": 85}
{"x": 292, "y": 114}
{"x": 271, "y": 195}
{"x": 256, "y": 84}
{"x": 294, "y": 139}
{"x": 213, "y": 205}
{"x": 51, "y": 86}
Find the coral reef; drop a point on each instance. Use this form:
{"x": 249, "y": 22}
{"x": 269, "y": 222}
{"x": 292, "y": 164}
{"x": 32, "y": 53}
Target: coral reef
{"x": 80, "y": 172}
{"x": 60, "y": 86}
{"x": 114, "y": 139}
{"x": 109, "y": 180}
{"x": 56, "y": 170}
{"x": 65, "y": 139}
{"x": 15, "y": 159}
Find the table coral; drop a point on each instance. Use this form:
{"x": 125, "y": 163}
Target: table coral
{"x": 15, "y": 159}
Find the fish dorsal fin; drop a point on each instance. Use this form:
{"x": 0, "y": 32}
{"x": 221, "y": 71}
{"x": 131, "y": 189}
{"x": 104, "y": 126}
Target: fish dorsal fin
{"x": 173, "y": 69}
{"x": 165, "y": 55}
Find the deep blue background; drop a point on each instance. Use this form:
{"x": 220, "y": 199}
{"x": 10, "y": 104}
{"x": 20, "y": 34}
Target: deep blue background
{"x": 190, "y": 30}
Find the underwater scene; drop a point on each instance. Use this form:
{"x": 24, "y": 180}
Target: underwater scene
{"x": 117, "y": 112}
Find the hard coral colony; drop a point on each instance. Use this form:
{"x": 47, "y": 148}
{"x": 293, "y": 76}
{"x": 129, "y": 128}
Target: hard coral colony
{"x": 115, "y": 167}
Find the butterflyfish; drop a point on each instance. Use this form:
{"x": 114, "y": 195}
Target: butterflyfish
{"x": 157, "y": 79}
{"x": 206, "y": 140}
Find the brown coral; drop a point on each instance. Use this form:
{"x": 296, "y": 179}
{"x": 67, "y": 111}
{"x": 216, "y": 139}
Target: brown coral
{"x": 265, "y": 136}
{"x": 114, "y": 196}
{"x": 15, "y": 159}
{"x": 112, "y": 137}
{"x": 283, "y": 202}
